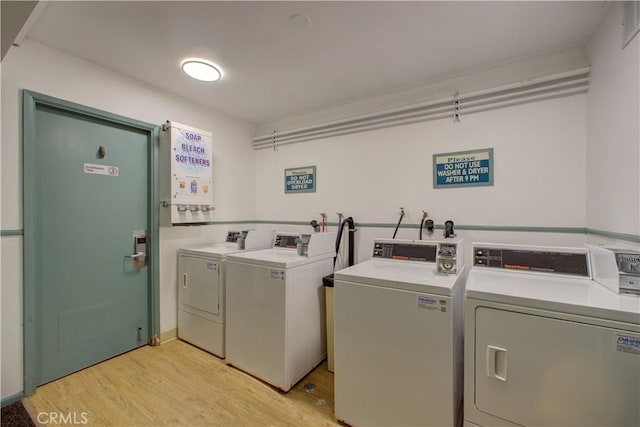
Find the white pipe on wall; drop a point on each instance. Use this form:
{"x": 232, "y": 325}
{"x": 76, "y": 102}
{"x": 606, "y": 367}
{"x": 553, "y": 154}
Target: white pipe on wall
{"x": 562, "y": 84}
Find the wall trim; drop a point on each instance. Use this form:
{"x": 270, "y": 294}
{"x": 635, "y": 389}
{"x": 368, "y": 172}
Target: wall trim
{"x": 470, "y": 227}
{"x": 12, "y": 399}
{"x": 614, "y": 235}
{"x": 290, "y": 222}
{"x": 214, "y": 223}
{"x": 569, "y": 230}
{"x": 11, "y": 233}
{"x": 244, "y": 221}
{"x": 517, "y": 228}
{"x": 526, "y": 229}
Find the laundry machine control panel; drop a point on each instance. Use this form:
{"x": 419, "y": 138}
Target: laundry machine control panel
{"x": 286, "y": 241}
{"x": 629, "y": 271}
{"x": 405, "y": 251}
{"x": 532, "y": 259}
{"x": 232, "y": 236}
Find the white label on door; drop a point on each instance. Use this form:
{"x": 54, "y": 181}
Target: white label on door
{"x": 431, "y": 303}
{"x": 211, "y": 266}
{"x": 94, "y": 169}
{"x": 627, "y": 344}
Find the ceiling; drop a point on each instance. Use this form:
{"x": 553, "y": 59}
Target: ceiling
{"x": 284, "y": 58}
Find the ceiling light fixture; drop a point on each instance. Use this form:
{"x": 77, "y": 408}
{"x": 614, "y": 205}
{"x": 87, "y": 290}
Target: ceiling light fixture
{"x": 201, "y": 69}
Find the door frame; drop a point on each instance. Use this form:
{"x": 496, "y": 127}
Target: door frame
{"x": 31, "y": 288}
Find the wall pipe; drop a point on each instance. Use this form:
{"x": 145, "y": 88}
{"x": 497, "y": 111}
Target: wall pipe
{"x": 562, "y": 84}
{"x": 448, "y": 114}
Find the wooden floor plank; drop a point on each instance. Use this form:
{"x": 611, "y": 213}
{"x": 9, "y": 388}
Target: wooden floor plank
{"x": 178, "y": 384}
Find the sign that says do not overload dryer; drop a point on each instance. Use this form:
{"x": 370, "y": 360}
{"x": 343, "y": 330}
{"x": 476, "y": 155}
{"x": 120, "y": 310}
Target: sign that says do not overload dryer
{"x": 300, "y": 180}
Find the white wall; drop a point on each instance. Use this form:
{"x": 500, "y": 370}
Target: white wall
{"x": 613, "y": 143}
{"x": 468, "y": 82}
{"x": 41, "y": 69}
{"x": 539, "y": 175}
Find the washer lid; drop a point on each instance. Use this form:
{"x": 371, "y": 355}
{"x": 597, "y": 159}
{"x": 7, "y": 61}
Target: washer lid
{"x": 562, "y": 294}
{"x": 406, "y": 275}
{"x": 277, "y": 258}
{"x": 212, "y": 251}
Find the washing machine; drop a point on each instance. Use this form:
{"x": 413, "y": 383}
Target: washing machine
{"x": 201, "y": 287}
{"x": 398, "y": 335}
{"x": 545, "y": 344}
{"x": 276, "y": 327}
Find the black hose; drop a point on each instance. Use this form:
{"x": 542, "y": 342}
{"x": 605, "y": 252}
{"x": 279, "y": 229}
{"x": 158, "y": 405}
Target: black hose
{"x": 349, "y": 221}
{"x": 352, "y": 240}
{"x": 424, "y": 216}
{"x": 398, "y": 226}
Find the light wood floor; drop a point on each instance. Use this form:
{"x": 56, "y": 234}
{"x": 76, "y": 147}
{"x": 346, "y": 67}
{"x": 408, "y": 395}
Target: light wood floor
{"x": 180, "y": 385}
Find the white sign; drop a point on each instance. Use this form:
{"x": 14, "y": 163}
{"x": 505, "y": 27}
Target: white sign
{"x": 191, "y": 166}
{"x": 94, "y": 169}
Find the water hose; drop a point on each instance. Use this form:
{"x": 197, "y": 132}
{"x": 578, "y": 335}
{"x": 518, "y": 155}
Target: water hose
{"x": 399, "y": 221}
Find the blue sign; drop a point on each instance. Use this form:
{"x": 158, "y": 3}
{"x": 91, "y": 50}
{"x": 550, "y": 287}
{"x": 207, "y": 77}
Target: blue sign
{"x": 463, "y": 168}
{"x": 300, "y": 180}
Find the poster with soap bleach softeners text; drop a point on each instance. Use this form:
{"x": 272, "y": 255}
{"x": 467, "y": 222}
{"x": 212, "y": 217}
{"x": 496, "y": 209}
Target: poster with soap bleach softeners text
{"x": 463, "y": 168}
{"x": 191, "y": 166}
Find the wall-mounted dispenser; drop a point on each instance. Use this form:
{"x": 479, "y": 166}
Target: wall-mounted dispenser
{"x": 186, "y": 177}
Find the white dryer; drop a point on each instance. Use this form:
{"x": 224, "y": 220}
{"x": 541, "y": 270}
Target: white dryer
{"x": 201, "y": 287}
{"x": 276, "y": 327}
{"x": 398, "y": 335}
{"x": 545, "y": 345}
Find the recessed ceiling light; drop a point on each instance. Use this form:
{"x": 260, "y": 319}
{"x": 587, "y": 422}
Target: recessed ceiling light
{"x": 300, "y": 21}
{"x": 201, "y": 69}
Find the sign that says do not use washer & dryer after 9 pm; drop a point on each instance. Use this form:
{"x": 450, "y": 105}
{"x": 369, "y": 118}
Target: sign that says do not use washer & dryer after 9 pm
{"x": 300, "y": 180}
{"x": 463, "y": 168}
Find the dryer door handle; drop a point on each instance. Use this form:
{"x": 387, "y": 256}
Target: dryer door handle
{"x": 497, "y": 363}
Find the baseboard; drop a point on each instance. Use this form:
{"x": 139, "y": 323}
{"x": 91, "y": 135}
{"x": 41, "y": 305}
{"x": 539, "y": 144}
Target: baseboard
{"x": 168, "y": 336}
{"x": 11, "y": 399}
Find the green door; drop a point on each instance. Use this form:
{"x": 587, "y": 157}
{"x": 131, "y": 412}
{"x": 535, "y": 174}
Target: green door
{"x": 90, "y": 192}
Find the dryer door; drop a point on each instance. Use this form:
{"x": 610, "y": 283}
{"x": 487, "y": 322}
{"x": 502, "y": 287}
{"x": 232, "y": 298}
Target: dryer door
{"x": 533, "y": 370}
{"x": 199, "y": 284}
